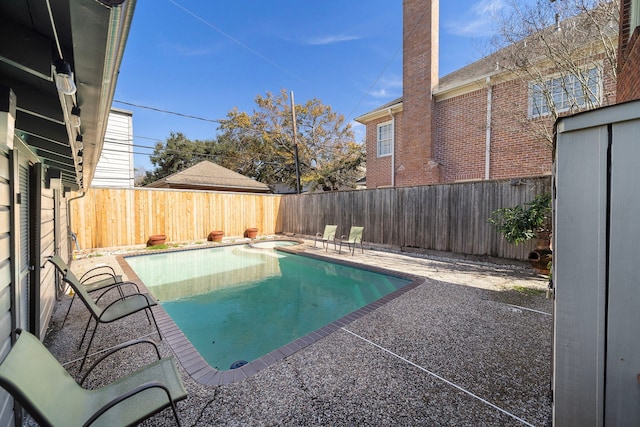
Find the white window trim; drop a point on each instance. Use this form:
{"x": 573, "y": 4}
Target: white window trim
{"x": 634, "y": 16}
{"x": 392, "y": 143}
{"x": 534, "y": 115}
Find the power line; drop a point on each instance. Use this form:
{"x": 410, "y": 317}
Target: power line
{"x": 188, "y": 116}
{"x": 236, "y": 41}
{"x": 404, "y": 40}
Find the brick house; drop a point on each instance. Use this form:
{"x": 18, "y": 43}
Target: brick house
{"x": 476, "y": 123}
{"x": 629, "y": 51}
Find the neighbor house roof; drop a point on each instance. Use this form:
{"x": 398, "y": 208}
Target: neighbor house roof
{"x": 207, "y": 175}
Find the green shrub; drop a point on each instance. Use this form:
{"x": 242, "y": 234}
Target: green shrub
{"x": 523, "y": 222}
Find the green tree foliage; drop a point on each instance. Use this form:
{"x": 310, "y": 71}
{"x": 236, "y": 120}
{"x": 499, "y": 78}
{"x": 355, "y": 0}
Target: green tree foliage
{"x": 261, "y": 144}
{"x": 175, "y": 154}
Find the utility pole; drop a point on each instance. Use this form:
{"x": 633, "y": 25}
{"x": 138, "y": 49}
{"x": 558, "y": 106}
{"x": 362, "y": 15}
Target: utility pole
{"x": 295, "y": 143}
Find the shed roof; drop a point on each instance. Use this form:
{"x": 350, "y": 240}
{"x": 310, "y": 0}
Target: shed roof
{"x": 207, "y": 175}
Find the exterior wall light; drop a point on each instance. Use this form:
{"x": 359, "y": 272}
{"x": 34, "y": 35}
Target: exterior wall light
{"x": 75, "y": 116}
{"x": 64, "y": 78}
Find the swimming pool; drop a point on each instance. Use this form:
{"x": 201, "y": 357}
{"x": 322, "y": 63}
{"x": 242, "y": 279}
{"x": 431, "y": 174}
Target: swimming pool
{"x": 241, "y": 303}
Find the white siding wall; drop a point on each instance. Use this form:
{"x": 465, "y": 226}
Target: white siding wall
{"x": 47, "y": 248}
{"x": 6, "y": 403}
{"x": 115, "y": 167}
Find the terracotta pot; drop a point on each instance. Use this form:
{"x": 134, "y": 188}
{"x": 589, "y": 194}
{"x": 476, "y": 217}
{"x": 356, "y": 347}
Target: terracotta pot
{"x": 251, "y": 233}
{"x": 215, "y": 236}
{"x": 156, "y": 239}
{"x": 539, "y": 260}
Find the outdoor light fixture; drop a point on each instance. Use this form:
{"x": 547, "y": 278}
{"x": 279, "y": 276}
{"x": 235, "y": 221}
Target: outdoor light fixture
{"x": 64, "y": 78}
{"x": 80, "y": 153}
{"x": 79, "y": 143}
{"x": 75, "y": 116}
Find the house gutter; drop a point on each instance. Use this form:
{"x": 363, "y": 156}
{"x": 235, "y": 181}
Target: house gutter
{"x": 487, "y": 152}
{"x": 393, "y": 151}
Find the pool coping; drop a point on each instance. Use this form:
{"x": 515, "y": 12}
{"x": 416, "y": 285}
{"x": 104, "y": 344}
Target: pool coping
{"x": 200, "y": 370}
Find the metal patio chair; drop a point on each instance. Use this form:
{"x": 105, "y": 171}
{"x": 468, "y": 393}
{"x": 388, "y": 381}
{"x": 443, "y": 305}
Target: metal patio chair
{"x": 123, "y": 306}
{"x": 329, "y": 235}
{"x": 106, "y": 274}
{"x": 355, "y": 237}
{"x": 52, "y": 397}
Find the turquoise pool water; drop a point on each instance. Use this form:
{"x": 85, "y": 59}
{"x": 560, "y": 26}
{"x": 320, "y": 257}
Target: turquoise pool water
{"x": 240, "y": 303}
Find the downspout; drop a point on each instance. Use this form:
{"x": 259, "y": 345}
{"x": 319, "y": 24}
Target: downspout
{"x": 487, "y": 152}
{"x": 70, "y": 235}
{"x": 393, "y": 149}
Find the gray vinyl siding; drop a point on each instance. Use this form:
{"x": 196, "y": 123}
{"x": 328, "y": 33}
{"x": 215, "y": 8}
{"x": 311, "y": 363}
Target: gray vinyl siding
{"x": 115, "y": 167}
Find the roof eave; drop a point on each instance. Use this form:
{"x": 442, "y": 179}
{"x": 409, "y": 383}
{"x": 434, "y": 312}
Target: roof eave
{"x": 379, "y": 113}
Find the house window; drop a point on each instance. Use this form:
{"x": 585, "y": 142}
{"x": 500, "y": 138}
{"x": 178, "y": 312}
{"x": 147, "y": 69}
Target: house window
{"x": 385, "y": 139}
{"x": 565, "y": 93}
{"x": 634, "y": 16}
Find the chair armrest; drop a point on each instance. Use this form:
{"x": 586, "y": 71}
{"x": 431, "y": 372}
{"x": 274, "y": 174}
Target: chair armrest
{"x": 118, "y": 285}
{"x": 118, "y": 348}
{"x": 125, "y": 396}
{"x": 109, "y": 271}
{"x": 318, "y": 234}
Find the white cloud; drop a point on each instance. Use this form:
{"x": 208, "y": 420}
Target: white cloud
{"x": 387, "y": 88}
{"x": 478, "y": 21}
{"x": 331, "y": 39}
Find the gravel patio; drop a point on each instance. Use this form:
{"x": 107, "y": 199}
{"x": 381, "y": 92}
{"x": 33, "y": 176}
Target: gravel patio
{"x": 469, "y": 346}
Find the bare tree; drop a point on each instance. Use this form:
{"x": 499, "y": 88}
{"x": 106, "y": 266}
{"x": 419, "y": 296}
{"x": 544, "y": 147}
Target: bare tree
{"x": 564, "y": 51}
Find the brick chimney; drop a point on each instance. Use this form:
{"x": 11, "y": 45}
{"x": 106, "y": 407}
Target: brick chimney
{"x": 415, "y": 162}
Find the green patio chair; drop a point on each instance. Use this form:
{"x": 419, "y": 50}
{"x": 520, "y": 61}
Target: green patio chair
{"x": 45, "y": 389}
{"x": 106, "y": 273}
{"x": 123, "y": 306}
{"x": 355, "y": 237}
{"x": 329, "y": 235}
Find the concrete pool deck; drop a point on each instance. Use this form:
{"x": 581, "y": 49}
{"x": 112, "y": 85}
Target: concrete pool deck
{"x": 471, "y": 345}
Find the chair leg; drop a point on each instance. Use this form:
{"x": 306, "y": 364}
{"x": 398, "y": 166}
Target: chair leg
{"x": 85, "y": 332}
{"x": 154, "y": 321}
{"x": 175, "y": 413}
{"x": 86, "y": 353}
{"x": 68, "y": 310}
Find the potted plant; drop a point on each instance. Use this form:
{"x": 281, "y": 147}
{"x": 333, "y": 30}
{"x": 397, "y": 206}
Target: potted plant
{"x": 215, "y": 236}
{"x": 156, "y": 239}
{"x": 524, "y": 222}
{"x": 251, "y": 233}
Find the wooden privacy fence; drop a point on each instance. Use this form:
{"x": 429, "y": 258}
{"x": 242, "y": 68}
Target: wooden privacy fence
{"x": 121, "y": 217}
{"x": 450, "y": 217}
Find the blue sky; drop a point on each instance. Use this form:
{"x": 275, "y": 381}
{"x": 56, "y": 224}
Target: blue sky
{"x": 203, "y": 58}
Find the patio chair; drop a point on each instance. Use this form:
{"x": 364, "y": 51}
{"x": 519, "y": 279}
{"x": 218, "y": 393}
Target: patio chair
{"x": 106, "y": 272}
{"x": 326, "y": 237}
{"x": 45, "y": 389}
{"x": 123, "y": 306}
{"x": 355, "y": 237}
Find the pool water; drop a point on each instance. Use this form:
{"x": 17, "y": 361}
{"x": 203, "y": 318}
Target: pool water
{"x": 239, "y": 303}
